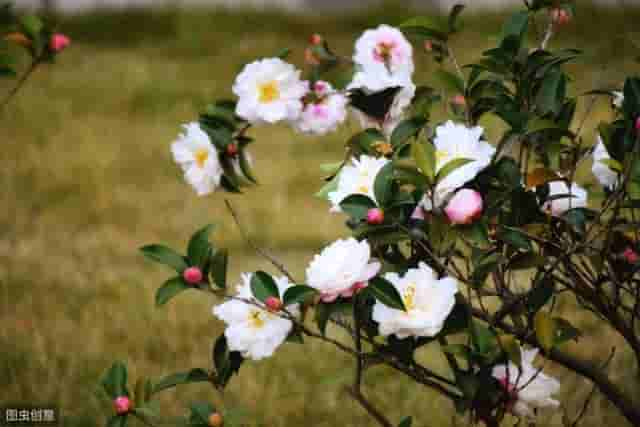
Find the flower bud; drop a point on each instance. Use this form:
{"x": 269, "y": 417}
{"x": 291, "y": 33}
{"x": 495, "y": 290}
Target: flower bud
{"x": 638, "y": 124}
{"x": 273, "y": 304}
{"x": 631, "y": 256}
{"x": 58, "y": 42}
{"x": 122, "y": 405}
{"x": 560, "y": 16}
{"x": 215, "y": 420}
{"x": 459, "y": 100}
{"x": 232, "y": 150}
{"x": 192, "y": 275}
{"x": 315, "y": 39}
{"x": 464, "y": 207}
{"x": 375, "y": 216}
{"x": 428, "y": 45}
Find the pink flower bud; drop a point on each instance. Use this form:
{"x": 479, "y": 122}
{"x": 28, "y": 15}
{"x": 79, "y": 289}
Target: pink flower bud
{"x": 192, "y": 275}
{"x": 232, "y": 150}
{"x": 315, "y": 39}
{"x": 375, "y": 216}
{"x": 638, "y": 124}
{"x": 631, "y": 256}
{"x": 58, "y": 42}
{"x": 273, "y": 304}
{"x": 464, "y": 207}
{"x": 459, "y": 100}
{"x": 560, "y": 16}
{"x": 512, "y": 392}
{"x": 122, "y": 405}
{"x": 428, "y": 45}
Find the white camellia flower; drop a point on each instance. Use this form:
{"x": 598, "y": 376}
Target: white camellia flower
{"x": 428, "y": 301}
{"x": 342, "y": 269}
{"x": 575, "y": 197}
{"x": 357, "y": 178}
{"x": 251, "y": 330}
{"x": 324, "y": 113}
{"x": 384, "y": 50}
{"x": 606, "y": 176}
{"x": 529, "y": 388}
{"x": 456, "y": 141}
{"x": 198, "y": 158}
{"x": 269, "y": 90}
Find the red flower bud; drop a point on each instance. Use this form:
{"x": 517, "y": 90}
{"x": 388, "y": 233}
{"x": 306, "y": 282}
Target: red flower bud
{"x": 315, "y": 39}
{"x": 58, "y": 42}
{"x": 631, "y": 256}
{"x": 122, "y": 405}
{"x": 375, "y": 216}
{"x": 232, "y": 150}
{"x": 560, "y": 16}
{"x": 273, "y": 304}
{"x": 428, "y": 45}
{"x": 459, "y": 100}
{"x": 192, "y": 275}
{"x": 638, "y": 124}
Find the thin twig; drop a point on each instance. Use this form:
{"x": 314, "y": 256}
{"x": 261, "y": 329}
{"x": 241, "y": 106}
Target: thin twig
{"x": 359, "y": 397}
{"x": 19, "y": 85}
{"x": 277, "y": 264}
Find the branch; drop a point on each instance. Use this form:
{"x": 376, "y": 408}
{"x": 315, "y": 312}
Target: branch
{"x": 277, "y": 264}
{"x": 20, "y": 84}
{"x": 359, "y": 397}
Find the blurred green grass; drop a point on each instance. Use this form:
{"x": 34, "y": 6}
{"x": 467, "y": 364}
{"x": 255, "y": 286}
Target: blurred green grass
{"x": 88, "y": 178}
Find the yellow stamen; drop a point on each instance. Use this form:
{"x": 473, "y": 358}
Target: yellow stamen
{"x": 269, "y": 92}
{"x": 363, "y": 189}
{"x": 409, "y": 297}
{"x": 255, "y": 320}
{"x": 201, "y": 157}
{"x": 384, "y": 148}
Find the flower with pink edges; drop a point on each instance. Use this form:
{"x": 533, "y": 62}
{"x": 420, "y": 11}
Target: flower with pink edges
{"x": 464, "y": 207}
{"x": 59, "y": 42}
{"x": 384, "y": 50}
{"x": 122, "y": 405}
{"x": 324, "y": 110}
{"x": 342, "y": 269}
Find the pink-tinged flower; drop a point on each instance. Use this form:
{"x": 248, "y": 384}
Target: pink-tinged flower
{"x": 324, "y": 110}
{"x": 375, "y": 216}
{"x": 122, "y": 405}
{"x": 384, "y": 50}
{"x": 59, "y": 42}
{"x": 631, "y": 256}
{"x": 418, "y": 213}
{"x": 464, "y": 207}
{"x": 192, "y": 275}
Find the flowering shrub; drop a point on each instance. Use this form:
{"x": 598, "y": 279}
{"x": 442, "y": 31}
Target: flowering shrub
{"x": 456, "y": 241}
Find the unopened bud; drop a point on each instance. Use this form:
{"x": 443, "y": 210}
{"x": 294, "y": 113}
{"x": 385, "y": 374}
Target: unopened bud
{"x": 638, "y": 124}
{"x": 192, "y": 275}
{"x": 315, "y": 39}
{"x": 232, "y": 150}
{"x": 59, "y": 42}
{"x": 122, "y": 405}
{"x": 428, "y": 45}
{"x": 631, "y": 256}
{"x": 375, "y": 216}
{"x": 459, "y": 100}
{"x": 273, "y": 304}
{"x": 560, "y": 16}
{"x": 215, "y": 420}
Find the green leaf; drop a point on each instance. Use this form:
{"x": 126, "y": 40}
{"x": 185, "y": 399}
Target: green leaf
{"x": 425, "y": 27}
{"x": 451, "y": 166}
{"x": 32, "y": 26}
{"x": 515, "y": 238}
{"x": 366, "y": 140}
{"x": 526, "y": 261}
{"x": 170, "y": 289}
{"x": 483, "y": 339}
{"x": 407, "y": 129}
{"x": 511, "y": 347}
{"x": 199, "y": 247}
{"x": 322, "y": 314}
{"x": 357, "y": 206}
{"x": 329, "y": 187}
{"x": 263, "y": 286}
{"x": 383, "y": 185}
{"x": 459, "y": 350}
{"x": 516, "y": 25}
{"x": 219, "y": 264}
{"x": 449, "y": 81}
{"x": 425, "y": 158}
{"x": 117, "y": 421}
{"x": 200, "y": 413}
{"x": 114, "y": 381}
{"x": 386, "y": 293}
{"x": 547, "y": 99}
{"x": 227, "y": 363}
{"x": 565, "y": 331}
{"x": 191, "y": 376}
{"x": 545, "y": 328}
{"x": 245, "y": 166}
{"x": 406, "y": 422}
{"x": 540, "y": 294}
{"x": 298, "y": 294}
{"x": 166, "y": 256}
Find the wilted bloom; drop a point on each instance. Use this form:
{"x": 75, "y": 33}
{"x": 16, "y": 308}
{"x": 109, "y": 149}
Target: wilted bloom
{"x": 269, "y": 90}
{"x": 574, "y": 197}
{"x": 428, "y": 302}
{"x": 456, "y": 141}
{"x": 384, "y": 50}
{"x": 529, "y": 387}
{"x": 324, "y": 109}
{"x": 192, "y": 275}
{"x": 341, "y": 269}
{"x": 198, "y": 158}
{"x": 59, "y": 42}
{"x": 357, "y": 178}
{"x": 252, "y": 329}
{"x": 464, "y": 207}
{"x": 122, "y": 405}
{"x": 606, "y": 176}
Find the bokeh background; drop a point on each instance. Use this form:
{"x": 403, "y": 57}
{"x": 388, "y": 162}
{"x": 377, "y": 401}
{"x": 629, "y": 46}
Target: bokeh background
{"x": 87, "y": 178}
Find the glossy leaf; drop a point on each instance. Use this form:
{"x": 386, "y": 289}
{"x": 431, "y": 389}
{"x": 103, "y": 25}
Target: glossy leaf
{"x": 219, "y": 265}
{"x": 170, "y": 289}
{"x": 383, "y": 185}
{"x": 199, "y": 247}
{"x": 451, "y": 166}
{"x": 263, "y": 286}
{"x": 357, "y": 206}
{"x": 425, "y": 158}
{"x": 114, "y": 381}
{"x": 191, "y": 376}
{"x": 165, "y": 255}
{"x": 386, "y": 293}
{"x": 407, "y": 129}
{"x": 545, "y": 328}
